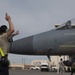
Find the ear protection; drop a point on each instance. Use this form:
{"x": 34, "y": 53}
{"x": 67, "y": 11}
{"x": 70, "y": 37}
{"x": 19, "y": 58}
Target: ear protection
{"x": 6, "y": 30}
{"x": 3, "y": 28}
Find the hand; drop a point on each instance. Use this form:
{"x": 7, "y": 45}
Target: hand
{"x": 7, "y": 17}
{"x": 17, "y": 32}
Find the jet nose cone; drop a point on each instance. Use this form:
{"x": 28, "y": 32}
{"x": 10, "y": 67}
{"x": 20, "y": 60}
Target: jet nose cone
{"x": 22, "y": 46}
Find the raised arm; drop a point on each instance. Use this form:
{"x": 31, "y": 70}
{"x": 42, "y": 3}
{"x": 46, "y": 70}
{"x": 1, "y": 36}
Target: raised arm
{"x": 11, "y": 26}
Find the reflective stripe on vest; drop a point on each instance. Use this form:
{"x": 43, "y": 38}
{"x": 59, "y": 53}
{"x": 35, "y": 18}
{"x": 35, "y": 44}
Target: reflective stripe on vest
{"x": 1, "y": 52}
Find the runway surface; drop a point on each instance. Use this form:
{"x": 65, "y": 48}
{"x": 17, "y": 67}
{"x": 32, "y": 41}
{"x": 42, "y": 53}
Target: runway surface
{"x": 34, "y": 72}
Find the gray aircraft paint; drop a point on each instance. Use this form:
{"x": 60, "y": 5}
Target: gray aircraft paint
{"x": 58, "y": 41}
{"x": 54, "y": 42}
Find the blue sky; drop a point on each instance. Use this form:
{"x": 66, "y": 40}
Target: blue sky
{"x": 35, "y": 16}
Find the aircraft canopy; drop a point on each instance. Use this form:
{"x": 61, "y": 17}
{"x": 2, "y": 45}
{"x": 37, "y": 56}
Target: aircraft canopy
{"x": 70, "y": 24}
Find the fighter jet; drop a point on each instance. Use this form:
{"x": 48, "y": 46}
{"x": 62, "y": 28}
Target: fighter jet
{"x": 58, "y": 41}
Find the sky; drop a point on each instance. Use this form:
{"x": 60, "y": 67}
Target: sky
{"x": 31, "y": 17}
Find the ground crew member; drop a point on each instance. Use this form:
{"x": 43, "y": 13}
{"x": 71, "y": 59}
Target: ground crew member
{"x": 10, "y": 39}
{"x": 61, "y": 66}
{"x": 4, "y": 45}
{"x": 73, "y": 68}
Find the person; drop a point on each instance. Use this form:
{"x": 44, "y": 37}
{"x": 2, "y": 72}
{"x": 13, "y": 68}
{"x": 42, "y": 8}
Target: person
{"x": 73, "y": 68}
{"x": 14, "y": 34}
{"x": 68, "y": 24}
{"x": 4, "y": 45}
{"x": 61, "y": 66}
{"x": 10, "y": 39}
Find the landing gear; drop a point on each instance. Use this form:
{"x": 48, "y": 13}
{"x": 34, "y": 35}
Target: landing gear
{"x": 49, "y": 58}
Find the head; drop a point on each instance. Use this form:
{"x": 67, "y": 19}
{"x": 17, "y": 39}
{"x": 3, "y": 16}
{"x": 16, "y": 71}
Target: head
{"x": 3, "y": 29}
{"x": 69, "y": 22}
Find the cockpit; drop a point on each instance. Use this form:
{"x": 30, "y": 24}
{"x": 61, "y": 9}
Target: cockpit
{"x": 67, "y": 25}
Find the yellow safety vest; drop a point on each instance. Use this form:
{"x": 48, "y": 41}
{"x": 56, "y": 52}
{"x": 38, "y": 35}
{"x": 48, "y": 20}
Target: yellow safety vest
{"x": 1, "y": 52}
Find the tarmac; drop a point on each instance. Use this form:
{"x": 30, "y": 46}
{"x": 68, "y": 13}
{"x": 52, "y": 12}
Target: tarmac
{"x": 35, "y": 72}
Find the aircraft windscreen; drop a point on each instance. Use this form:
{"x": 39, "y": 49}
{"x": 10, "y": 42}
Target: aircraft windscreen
{"x": 67, "y": 25}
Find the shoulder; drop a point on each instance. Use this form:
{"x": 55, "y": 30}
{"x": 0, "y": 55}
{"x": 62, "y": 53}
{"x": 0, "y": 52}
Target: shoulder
{"x": 4, "y": 35}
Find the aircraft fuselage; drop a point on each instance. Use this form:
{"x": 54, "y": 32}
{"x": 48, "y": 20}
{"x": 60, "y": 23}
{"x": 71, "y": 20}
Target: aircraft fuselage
{"x": 53, "y": 42}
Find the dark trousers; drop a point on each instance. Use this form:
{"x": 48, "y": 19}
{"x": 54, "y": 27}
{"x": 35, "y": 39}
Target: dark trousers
{"x": 4, "y": 70}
